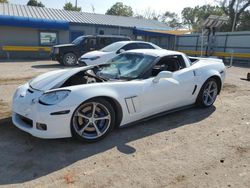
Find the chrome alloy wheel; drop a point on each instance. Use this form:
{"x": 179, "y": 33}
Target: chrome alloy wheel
{"x": 91, "y": 120}
{"x": 210, "y": 93}
{"x": 70, "y": 60}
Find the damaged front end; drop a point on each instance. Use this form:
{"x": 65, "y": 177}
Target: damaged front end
{"x": 65, "y": 78}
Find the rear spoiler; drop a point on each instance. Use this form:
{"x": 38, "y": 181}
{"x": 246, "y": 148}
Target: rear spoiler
{"x": 213, "y": 58}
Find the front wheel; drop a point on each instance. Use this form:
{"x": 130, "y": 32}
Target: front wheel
{"x": 93, "y": 120}
{"x": 69, "y": 59}
{"x": 208, "y": 93}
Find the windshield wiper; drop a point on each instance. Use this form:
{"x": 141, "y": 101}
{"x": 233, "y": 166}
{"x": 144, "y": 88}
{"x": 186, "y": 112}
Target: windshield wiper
{"x": 124, "y": 78}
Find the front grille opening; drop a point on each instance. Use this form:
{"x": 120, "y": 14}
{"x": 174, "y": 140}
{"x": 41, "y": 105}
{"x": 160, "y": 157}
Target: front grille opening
{"x": 27, "y": 121}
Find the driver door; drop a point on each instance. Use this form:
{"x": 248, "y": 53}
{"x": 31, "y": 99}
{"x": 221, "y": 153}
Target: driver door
{"x": 169, "y": 93}
{"x": 90, "y": 44}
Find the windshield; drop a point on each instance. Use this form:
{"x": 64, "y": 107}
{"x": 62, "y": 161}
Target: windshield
{"x": 78, "y": 40}
{"x": 125, "y": 66}
{"x": 112, "y": 47}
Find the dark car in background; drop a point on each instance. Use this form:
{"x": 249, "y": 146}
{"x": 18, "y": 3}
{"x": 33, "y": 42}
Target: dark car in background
{"x": 67, "y": 54}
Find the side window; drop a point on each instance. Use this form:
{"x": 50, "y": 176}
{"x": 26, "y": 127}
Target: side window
{"x": 181, "y": 61}
{"x": 101, "y": 32}
{"x": 145, "y": 46}
{"x": 104, "y": 41}
{"x": 130, "y": 46}
{"x": 169, "y": 63}
{"x": 91, "y": 43}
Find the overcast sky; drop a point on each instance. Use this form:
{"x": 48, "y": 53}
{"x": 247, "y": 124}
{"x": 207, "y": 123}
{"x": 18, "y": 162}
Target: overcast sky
{"x": 138, "y": 5}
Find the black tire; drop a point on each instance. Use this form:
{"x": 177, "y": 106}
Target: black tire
{"x": 75, "y": 120}
{"x": 202, "y": 96}
{"x": 69, "y": 59}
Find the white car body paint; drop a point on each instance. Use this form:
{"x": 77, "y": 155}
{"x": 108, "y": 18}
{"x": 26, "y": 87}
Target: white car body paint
{"x": 138, "y": 99}
{"x": 106, "y": 56}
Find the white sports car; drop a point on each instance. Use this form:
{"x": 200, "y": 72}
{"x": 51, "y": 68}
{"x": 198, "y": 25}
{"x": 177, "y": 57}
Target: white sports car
{"x": 88, "y": 102}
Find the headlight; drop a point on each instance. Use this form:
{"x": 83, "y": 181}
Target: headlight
{"x": 56, "y": 50}
{"x": 53, "y": 97}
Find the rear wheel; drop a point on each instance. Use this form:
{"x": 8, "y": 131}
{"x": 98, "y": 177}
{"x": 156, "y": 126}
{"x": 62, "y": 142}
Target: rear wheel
{"x": 93, "y": 120}
{"x": 69, "y": 59}
{"x": 208, "y": 93}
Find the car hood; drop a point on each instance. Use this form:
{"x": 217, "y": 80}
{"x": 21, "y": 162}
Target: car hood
{"x": 94, "y": 54}
{"x": 54, "y": 79}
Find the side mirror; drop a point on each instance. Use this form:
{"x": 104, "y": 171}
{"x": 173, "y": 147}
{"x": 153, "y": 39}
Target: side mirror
{"x": 120, "y": 51}
{"x": 162, "y": 74}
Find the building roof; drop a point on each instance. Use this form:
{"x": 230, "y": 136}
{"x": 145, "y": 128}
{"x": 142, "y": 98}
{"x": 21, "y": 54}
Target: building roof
{"x": 78, "y": 17}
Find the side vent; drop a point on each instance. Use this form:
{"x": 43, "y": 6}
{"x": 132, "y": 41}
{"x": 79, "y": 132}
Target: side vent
{"x": 130, "y": 104}
{"x": 195, "y": 87}
{"x": 194, "y": 72}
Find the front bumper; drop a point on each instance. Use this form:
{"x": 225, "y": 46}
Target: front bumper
{"x": 27, "y": 112}
{"x": 55, "y": 57}
{"x": 84, "y": 62}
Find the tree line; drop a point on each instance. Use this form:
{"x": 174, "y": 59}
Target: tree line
{"x": 191, "y": 17}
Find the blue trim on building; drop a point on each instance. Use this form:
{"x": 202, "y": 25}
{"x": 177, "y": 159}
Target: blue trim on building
{"x": 17, "y": 21}
{"x": 154, "y": 28}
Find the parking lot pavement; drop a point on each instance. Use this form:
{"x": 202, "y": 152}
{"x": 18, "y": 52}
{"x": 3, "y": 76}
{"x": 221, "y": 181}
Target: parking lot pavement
{"x": 191, "y": 148}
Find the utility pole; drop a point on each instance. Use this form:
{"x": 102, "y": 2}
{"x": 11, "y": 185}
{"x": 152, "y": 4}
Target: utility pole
{"x": 235, "y": 15}
{"x": 76, "y": 4}
{"x": 93, "y": 8}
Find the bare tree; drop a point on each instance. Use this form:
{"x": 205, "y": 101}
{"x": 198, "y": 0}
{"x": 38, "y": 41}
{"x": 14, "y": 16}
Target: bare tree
{"x": 148, "y": 13}
{"x": 171, "y": 19}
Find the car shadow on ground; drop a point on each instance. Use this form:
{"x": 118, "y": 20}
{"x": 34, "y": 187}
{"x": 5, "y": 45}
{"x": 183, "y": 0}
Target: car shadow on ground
{"x": 24, "y": 158}
{"x": 18, "y": 60}
{"x": 48, "y": 66}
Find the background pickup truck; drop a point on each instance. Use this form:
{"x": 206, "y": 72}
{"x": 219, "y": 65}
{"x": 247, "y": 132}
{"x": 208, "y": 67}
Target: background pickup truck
{"x": 68, "y": 54}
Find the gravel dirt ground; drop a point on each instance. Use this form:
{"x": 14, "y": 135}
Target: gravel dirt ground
{"x": 191, "y": 148}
